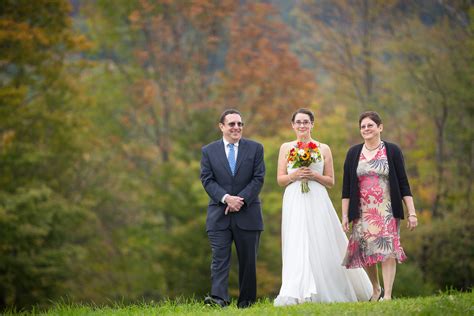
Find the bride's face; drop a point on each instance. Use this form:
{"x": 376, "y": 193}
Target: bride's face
{"x": 302, "y": 125}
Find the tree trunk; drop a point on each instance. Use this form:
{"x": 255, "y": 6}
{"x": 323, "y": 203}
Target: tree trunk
{"x": 367, "y": 53}
{"x": 440, "y": 122}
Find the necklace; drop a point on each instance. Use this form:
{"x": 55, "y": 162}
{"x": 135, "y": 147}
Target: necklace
{"x": 378, "y": 146}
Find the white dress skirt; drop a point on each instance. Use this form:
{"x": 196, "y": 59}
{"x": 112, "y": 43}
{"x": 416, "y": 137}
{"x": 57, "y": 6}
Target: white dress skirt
{"x": 313, "y": 248}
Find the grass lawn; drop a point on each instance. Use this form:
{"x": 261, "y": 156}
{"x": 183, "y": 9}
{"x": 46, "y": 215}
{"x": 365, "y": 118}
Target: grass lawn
{"x": 442, "y": 304}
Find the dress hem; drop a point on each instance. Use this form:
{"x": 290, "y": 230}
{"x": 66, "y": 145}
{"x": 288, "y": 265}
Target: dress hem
{"x": 290, "y": 300}
{"x": 355, "y": 263}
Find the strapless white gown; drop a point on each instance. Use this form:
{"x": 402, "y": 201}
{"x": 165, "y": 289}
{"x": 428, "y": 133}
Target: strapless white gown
{"x": 313, "y": 247}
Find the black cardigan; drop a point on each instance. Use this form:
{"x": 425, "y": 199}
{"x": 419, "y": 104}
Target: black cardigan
{"x": 397, "y": 178}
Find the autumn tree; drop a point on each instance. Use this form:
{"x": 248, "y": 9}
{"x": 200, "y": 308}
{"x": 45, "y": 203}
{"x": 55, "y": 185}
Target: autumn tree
{"x": 162, "y": 55}
{"x": 263, "y": 77}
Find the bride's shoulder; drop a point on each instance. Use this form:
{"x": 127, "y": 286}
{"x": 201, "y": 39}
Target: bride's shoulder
{"x": 287, "y": 145}
{"x": 324, "y": 147}
{"x": 320, "y": 145}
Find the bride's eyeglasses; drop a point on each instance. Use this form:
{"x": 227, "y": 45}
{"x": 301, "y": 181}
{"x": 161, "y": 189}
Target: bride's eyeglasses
{"x": 304, "y": 123}
{"x": 239, "y": 124}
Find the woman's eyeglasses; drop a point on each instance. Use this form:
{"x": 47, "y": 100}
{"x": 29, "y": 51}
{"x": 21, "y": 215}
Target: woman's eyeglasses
{"x": 304, "y": 123}
{"x": 369, "y": 126}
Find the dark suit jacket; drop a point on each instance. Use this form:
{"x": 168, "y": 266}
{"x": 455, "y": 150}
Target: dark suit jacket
{"x": 397, "y": 177}
{"x": 217, "y": 180}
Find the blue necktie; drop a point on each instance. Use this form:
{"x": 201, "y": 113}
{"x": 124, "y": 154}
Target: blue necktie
{"x": 231, "y": 158}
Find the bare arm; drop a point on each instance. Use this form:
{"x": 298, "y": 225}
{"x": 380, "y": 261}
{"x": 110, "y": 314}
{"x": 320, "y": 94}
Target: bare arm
{"x": 327, "y": 178}
{"x": 345, "y": 214}
{"x": 412, "y": 219}
{"x": 283, "y": 178}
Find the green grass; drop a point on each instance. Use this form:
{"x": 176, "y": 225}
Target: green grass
{"x": 442, "y": 304}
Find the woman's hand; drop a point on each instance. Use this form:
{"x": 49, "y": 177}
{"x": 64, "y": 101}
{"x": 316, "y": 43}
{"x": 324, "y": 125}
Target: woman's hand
{"x": 306, "y": 173}
{"x": 345, "y": 223}
{"x": 297, "y": 175}
{"x": 412, "y": 222}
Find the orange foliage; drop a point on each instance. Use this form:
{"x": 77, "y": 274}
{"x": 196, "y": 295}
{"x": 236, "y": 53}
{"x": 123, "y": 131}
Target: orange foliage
{"x": 263, "y": 77}
{"x": 176, "y": 40}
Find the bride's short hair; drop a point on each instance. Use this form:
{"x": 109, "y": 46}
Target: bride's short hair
{"x": 303, "y": 111}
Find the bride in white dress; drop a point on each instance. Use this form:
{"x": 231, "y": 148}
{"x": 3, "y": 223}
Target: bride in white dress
{"x": 313, "y": 242}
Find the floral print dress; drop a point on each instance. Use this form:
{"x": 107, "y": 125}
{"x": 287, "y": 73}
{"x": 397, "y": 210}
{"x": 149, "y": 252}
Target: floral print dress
{"x": 376, "y": 233}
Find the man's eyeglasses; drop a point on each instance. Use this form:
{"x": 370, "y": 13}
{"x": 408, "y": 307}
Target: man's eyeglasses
{"x": 304, "y": 123}
{"x": 239, "y": 124}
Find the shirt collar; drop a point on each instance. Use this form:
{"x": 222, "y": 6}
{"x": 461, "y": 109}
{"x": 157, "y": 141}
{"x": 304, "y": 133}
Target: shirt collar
{"x": 227, "y": 143}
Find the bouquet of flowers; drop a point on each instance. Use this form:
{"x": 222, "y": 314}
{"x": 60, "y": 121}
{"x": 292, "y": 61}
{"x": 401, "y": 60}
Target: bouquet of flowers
{"x": 302, "y": 155}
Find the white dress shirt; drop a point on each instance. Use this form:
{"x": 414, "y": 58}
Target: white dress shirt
{"x": 236, "y": 150}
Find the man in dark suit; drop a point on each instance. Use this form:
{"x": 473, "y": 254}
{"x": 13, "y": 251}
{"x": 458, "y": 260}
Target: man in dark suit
{"x": 232, "y": 172}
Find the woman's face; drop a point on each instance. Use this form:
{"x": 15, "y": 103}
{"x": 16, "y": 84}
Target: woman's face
{"x": 302, "y": 125}
{"x": 369, "y": 129}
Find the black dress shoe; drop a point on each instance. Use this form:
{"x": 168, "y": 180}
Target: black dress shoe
{"x": 382, "y": 293}
{"x": 244, "y": 304}
{"x": 215, "y": 301}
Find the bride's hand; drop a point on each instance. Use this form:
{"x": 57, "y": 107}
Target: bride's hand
{"x": 296, "y": 175}
{"x": 306, "y": 173}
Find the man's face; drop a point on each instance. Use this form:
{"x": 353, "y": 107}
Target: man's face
{"x": 232, "y": 128}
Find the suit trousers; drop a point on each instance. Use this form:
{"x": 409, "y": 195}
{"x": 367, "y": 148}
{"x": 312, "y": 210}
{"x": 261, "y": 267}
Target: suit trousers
{"x": 246, "y": 244}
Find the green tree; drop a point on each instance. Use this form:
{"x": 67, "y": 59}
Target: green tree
{"x": 345, "y": 41}
{"x": 436, "y": 66}
{"x": 44, "y": 227}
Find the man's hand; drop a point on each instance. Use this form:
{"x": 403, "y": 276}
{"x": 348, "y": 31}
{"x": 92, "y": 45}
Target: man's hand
{"x": 234, "y": 203}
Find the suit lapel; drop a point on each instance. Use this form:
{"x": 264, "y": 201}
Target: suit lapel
{"x": 222, "y": 157}
{"x": 243, "y": 149}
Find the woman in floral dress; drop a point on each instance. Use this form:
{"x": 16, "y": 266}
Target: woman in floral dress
{"x": 374, "y": 185}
